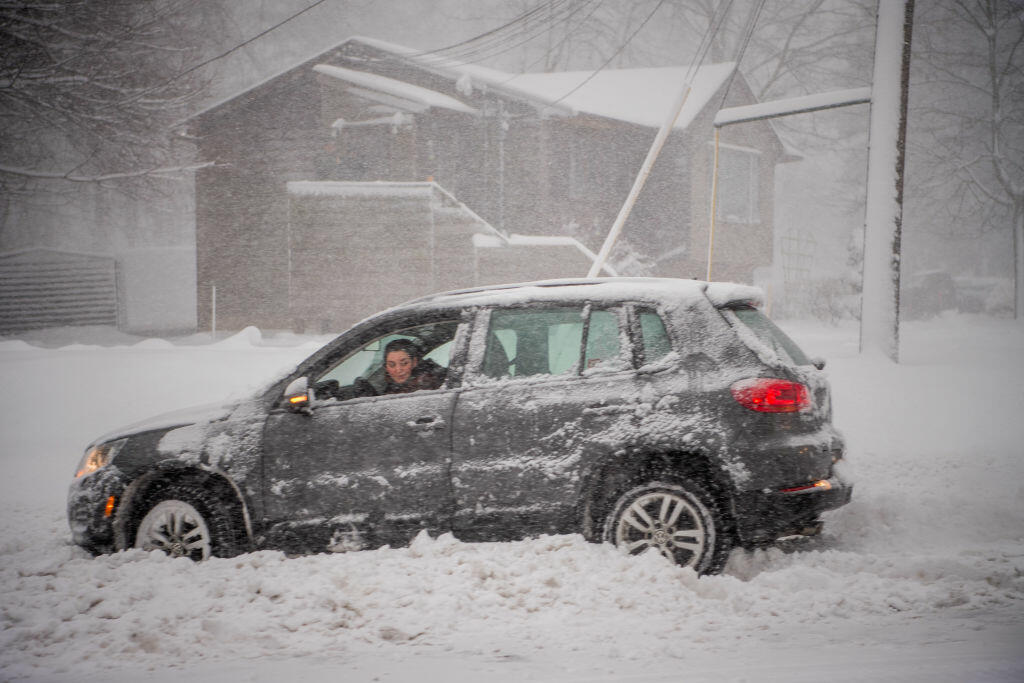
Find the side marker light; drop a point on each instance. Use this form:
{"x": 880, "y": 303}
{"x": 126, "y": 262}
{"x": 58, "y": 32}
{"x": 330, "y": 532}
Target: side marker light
{"x": 108, "y": 509}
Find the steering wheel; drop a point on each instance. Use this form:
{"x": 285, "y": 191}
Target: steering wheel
{"x": 363, "y": 387}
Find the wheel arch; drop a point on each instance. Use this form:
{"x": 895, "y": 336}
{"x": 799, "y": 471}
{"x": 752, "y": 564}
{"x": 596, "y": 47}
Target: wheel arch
{"x": 130, "y": 508}
{"x": 612, "y": 477}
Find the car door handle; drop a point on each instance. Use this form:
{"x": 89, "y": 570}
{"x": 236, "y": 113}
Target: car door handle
{"x": 427, "y": 423}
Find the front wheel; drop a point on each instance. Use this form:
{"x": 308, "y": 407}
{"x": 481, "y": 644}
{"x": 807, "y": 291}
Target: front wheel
{"x": 677, "y": 518}
{"x": 186, "y": 522}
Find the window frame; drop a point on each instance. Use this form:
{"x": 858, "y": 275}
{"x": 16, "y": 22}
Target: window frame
{"x": 752, "y": 186}
{"x": 350, "y": 344}
{"x": 640, "y": 361}
{"x": 482, "y": 329}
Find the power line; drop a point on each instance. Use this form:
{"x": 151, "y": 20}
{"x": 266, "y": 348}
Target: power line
{"x": 528, "y": 26}
{"x": 511, "y": 24}
{"x": 614, "y": 55}
{"x": 565, "y": 38}
{"x": 246, "y": 42}
{"x": 747, "y": 34}
{"x": 546, "y": 28}
{"x": 227, "y": 52}
{"x": 714, "y": 26}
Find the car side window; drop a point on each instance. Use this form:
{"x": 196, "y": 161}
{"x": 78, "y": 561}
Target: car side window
{"x": 550, "y": 341}
{"x": 362, "y": 372}
{"x": 654, "y": 339}
{"x": 604, "y": 347}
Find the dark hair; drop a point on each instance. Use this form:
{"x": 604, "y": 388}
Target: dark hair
{"x": 407, "y": 345}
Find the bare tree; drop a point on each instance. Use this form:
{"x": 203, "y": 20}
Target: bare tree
{"x": 88, "y": 89}
{"x": 969, "y": 128}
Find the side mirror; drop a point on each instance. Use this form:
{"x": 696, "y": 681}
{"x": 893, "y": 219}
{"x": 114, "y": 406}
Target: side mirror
{"x": 297, "y": 395}
{"x": 818, "y": 362}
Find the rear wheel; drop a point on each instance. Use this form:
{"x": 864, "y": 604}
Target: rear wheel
{"x": 676, "y": 517}
{"x": 183, "y": 521}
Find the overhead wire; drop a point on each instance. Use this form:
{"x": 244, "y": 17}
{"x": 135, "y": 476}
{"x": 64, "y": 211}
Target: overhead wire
{"x": 547, "y": 28}
{"x": 617, "y": 52}
{"x": 564, "y": 39}
{"x": 494, "y": 31}
{"x": 229, "y": 51}
{"x": 748, "y": 33}
{"x": 528, "y": 26}
{"x": 714, "y": 26}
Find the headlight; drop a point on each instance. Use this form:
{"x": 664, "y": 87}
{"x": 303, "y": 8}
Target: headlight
{"x": 98, "y": 456}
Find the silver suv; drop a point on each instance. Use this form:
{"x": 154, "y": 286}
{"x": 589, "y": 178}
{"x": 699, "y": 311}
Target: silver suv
{"x": 648, "y": 413}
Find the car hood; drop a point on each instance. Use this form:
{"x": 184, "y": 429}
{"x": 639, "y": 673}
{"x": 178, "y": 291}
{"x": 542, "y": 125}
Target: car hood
{"x": 209, "y": 412}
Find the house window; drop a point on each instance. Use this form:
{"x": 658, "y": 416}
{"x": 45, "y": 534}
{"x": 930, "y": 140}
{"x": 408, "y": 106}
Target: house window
{"x": 738, "y": 175}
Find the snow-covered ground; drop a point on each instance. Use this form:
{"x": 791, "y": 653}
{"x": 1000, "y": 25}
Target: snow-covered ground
{"x": 920, "y": 578}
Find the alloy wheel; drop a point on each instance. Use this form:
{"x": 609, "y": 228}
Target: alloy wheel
{"x": 176, "y": 528}
{"x": 666, "y": 521}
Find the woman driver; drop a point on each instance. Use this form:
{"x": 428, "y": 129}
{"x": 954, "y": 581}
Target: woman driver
{"x": 406, "y": 369}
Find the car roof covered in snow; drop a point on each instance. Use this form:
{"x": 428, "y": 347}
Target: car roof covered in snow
{"x": 597, "y": 289}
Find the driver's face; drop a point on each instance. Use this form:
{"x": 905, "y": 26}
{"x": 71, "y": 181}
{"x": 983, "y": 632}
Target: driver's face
{"x": 399, "y": 366}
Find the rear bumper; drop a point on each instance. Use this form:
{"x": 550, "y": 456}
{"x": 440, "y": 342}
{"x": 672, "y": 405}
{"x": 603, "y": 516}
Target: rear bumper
{"x": 764, "y": 516}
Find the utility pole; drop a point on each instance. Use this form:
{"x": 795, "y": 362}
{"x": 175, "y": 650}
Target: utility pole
{"x": 880, "y": 296}
{"x": 641, "y": 178}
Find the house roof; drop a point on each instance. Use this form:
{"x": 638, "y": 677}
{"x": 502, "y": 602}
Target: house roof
{"x": 416, "y": 95}
{"x": 639, "y": 96}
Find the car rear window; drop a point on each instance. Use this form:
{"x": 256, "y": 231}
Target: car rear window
{"x": 770, "y": 335}
{"x": 653, "y": 336}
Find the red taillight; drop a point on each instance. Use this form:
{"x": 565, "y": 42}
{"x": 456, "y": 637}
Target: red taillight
{"x": 771, "y": 395}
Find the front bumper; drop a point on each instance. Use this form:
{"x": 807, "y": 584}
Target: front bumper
{"x": 764, "y": 516}
{"x": 92, "y": 508}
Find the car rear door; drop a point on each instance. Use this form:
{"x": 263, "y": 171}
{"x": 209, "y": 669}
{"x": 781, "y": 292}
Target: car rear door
{"x": 542, "y": 384}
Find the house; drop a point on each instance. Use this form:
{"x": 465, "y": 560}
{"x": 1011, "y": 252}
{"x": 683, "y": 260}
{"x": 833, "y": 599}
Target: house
{"x": 376, "y": 164}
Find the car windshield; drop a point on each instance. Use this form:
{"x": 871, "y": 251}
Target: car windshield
{"x": 770, "y": 335}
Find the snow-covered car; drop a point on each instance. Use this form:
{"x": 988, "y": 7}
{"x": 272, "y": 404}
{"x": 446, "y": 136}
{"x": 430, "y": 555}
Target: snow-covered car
{"x": 648, "y": 413}
{"x": 928, "y": 294}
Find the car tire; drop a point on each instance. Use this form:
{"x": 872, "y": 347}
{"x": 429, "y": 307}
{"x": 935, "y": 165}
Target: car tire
{"x": 675, "y": 516}
{"x": 186, "y": 521}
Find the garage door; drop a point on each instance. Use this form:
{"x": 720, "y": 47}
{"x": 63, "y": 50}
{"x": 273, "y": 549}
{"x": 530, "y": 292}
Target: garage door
{"x": 49, "y": 288}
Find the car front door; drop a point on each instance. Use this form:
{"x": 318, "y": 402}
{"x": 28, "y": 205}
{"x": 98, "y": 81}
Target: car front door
{"x": 357, "y": 470}
{"x": 544, "y": 385}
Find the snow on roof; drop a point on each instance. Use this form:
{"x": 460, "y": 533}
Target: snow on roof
{"x": 341, "y": 188}
{"x": 640, "y": 96}
{"x": 292, "y": 65}
{"x": 668, "y": 289}
{"x": 395, "y": 88}
{"x": 793, "y": 105}
{"x": 437, "y": 64}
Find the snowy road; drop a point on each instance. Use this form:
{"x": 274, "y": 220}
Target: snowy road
{"x": 921, "y": 578}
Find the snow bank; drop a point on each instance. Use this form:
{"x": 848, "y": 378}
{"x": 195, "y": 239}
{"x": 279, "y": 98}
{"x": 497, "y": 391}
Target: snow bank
{"x": 920, "y": 578}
